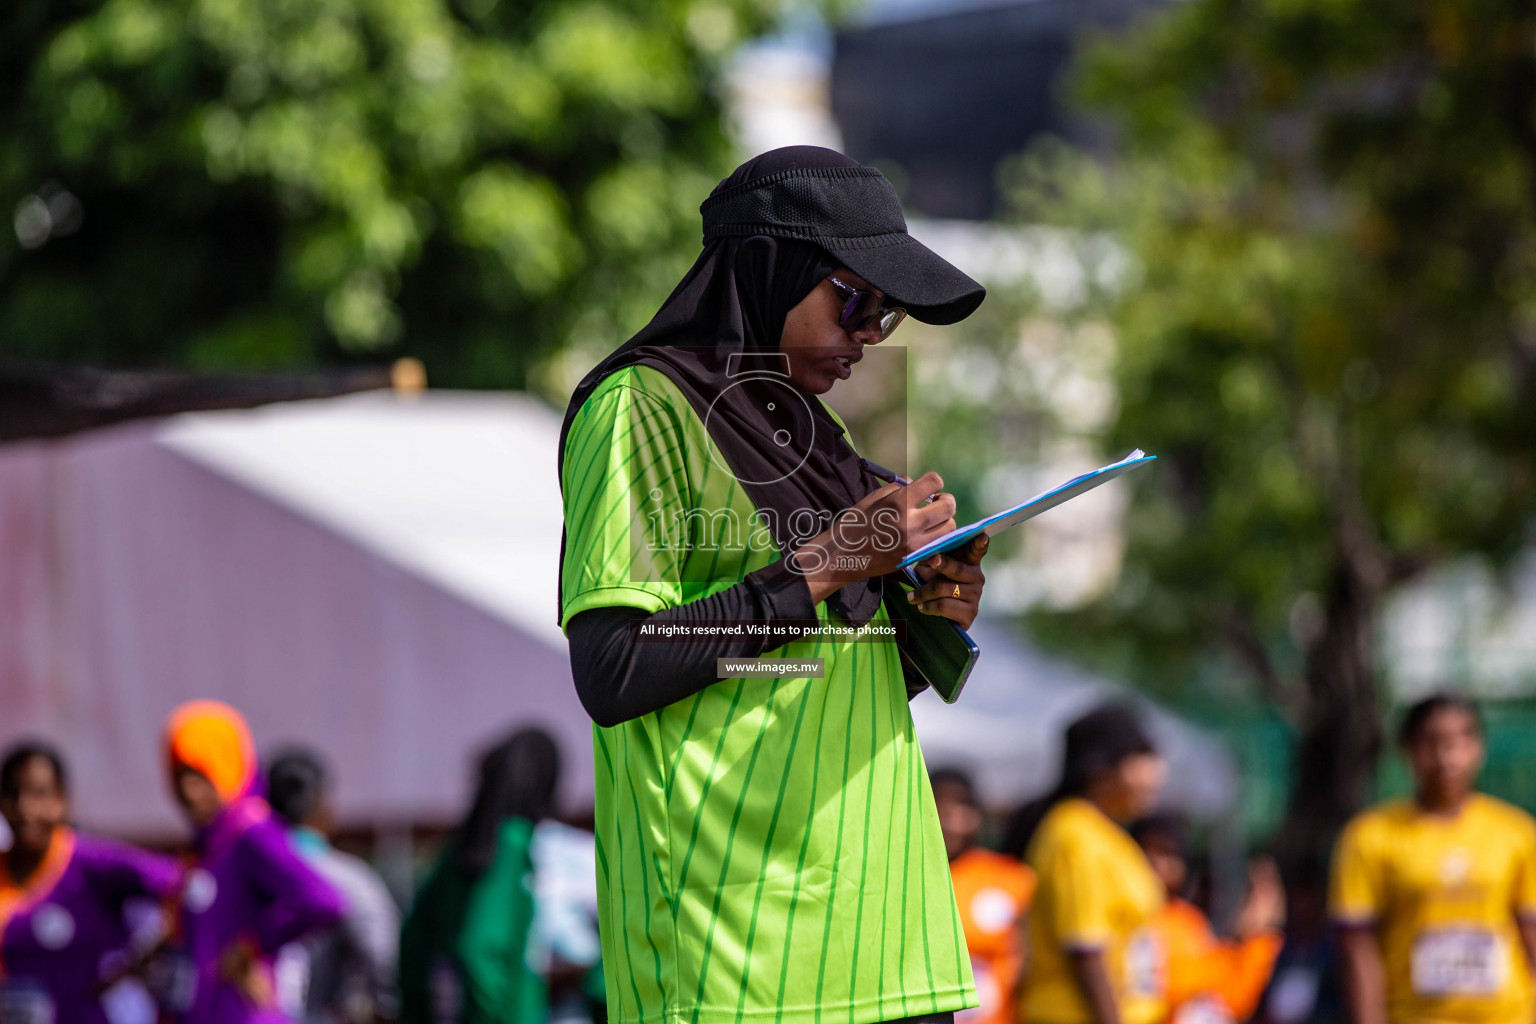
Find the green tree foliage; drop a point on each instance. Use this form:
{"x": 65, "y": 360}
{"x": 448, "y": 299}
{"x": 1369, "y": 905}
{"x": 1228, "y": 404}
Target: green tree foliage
{"x": 263, "y": 183}
{"x": 1329, "y": 338}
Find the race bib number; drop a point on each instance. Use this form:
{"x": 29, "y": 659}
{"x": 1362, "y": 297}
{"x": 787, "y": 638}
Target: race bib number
{"x": 1458, "y": 962}
{"x": 1202, "y": 1010}
{"x": 1143, "y": 965}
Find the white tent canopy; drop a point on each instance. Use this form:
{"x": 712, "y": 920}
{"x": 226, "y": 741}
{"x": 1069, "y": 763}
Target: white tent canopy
{"x": 373, "y": 575}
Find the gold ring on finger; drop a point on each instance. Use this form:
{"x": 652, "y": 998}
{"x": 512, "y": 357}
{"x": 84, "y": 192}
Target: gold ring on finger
{"x": 957, "y": 591}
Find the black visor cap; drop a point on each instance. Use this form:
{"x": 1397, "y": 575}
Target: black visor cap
{"x": 853, "y": 213}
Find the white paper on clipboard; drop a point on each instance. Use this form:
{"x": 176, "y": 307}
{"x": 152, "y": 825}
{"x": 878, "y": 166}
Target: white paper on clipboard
{"x": 995, "y": 524}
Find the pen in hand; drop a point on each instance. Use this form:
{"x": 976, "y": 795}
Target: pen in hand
{"x": 888, "y": 475}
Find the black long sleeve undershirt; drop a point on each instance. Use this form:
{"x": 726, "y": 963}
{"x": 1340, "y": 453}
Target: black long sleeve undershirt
{"x": 619, "y": 679}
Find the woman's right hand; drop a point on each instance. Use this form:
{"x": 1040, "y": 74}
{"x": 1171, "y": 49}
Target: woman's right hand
{"x": 871, "y": 538}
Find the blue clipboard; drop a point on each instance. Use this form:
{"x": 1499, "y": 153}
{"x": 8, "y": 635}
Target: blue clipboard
{"x": 995, "y": 524}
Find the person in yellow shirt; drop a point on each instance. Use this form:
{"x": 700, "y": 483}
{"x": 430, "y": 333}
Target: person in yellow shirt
{"x": 1435, "y": 896}
{"x": 1091, "y": 959}
{"x": 992, "y": 891}
{"x": 1208, "y": 980}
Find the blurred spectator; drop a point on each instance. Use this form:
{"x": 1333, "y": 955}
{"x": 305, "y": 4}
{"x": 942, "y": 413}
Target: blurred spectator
{"x": 64, "y": 898}
{"x": 344, "y": 975}
{"x": 993, "y": 892}
{"x": 248, "y": 894}
{"x": 565, "y": 922}
{"x": 1435, "y": 896}
{"x": 464, "y": 950}
{"x": 1305, "y": 983}
{"x": 1207, "y": 980}
{"x": 1092, "y": 958}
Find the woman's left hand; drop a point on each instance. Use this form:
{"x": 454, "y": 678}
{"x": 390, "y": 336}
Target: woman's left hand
{"x": 952, "y": 583}
{"x": 241, "y": 967}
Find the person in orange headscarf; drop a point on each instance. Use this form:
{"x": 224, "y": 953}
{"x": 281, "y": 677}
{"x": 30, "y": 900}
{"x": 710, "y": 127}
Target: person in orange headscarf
{"x": 1208, "y": 980}
{"x": 992, "y": 891}
{"x": 247, "y": 893}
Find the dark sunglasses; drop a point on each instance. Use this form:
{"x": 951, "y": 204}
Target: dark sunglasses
{"x": 862, "y": 308}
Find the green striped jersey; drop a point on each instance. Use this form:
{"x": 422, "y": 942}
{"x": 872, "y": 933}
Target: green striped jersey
{"x": 767, "y": 849}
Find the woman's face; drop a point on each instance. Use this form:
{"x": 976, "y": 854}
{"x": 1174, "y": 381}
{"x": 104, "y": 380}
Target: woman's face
{"x": 1446, "y": 755}
{"x": 1167, "y": 860}
{"x": 820, "y": 352}
{"x": 1134, "y": 785}
{"x": 197, "y": 796}
{"x": 960, "y": 820}
{"x": 38, "y": 807}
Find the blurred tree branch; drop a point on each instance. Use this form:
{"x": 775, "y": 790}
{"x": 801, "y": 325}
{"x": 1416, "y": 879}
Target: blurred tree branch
{"x": 41, "y": 400}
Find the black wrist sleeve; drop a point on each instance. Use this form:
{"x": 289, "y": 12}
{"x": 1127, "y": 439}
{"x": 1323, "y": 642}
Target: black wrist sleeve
{"x": 619, "y": 679}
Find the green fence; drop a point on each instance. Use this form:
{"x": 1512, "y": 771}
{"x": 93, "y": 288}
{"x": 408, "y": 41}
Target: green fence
{"x": 1264, "y": 746}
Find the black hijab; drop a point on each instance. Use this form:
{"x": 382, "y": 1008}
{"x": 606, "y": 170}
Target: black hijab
{"x": 717, "y": 338}
{"x": 517, "y": 780}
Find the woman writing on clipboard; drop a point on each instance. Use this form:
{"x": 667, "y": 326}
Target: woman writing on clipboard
{"x": 770, "y": 843}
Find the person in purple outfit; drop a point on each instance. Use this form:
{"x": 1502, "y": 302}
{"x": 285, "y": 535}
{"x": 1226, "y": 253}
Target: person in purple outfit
{"x": 247, "y": 894}
{"x": 63, "y": 897}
